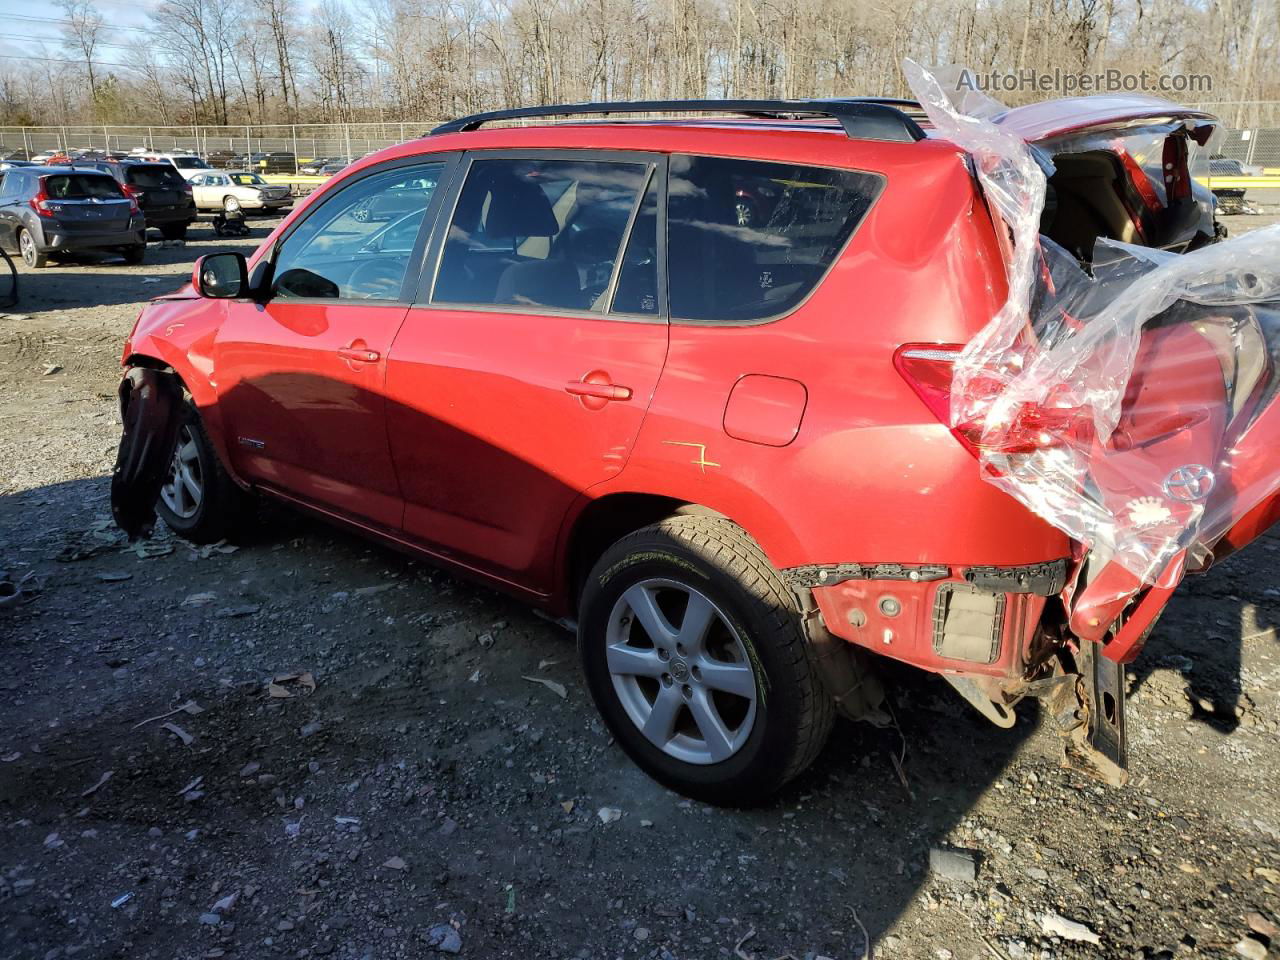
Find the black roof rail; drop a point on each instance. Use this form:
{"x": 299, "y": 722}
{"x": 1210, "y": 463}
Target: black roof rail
{"x": 862, "y": 119}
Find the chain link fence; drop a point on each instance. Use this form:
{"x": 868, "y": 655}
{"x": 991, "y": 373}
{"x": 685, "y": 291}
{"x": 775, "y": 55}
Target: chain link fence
{"x": 305, "y": 142}
{"x": 308, "y": 142}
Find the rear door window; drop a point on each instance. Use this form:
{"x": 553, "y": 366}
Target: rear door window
{"x": 539, "y": 233}
{"x": 748, "y": 240}
{"x": 79, "y": 186}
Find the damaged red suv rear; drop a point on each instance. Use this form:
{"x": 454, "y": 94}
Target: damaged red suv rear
{"x": 690, "y": 383}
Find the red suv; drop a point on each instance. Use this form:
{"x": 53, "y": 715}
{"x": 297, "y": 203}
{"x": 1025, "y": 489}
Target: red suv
{"x": 681, "y": 381}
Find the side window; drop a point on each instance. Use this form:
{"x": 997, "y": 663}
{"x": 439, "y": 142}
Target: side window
{"x": 357, "y": 244}
{"x": 748, "y": 239}
{"x": 539, "y": 233}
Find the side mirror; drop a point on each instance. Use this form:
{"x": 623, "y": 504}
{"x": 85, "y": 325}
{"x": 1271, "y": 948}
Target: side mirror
{"x": 221, "y": 276}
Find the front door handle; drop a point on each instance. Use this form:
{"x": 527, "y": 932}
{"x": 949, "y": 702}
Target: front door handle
{"x": 361, "y": 354}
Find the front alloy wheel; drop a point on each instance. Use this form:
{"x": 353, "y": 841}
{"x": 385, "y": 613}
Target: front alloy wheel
{"x": 183, "y": 490}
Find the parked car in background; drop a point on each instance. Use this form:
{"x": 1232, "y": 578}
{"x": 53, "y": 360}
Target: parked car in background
{"x": 6, "y": 164}
{"x": 223, "y": 159}
{"x": 187, "y": 164}
{"x": 278, "y": 162}
{"x": 410, "y": 194}
{"x": 312, "y": 167}
{"x": 236, "y": 190}
{"x": 45, "y": 211}
{"x": 1231, "y": 199}
{"x": 44, "y": 155}
{"x": 19, "y": 154}
{"x": 163, "y": 194}
{"x": 334, "y": 165}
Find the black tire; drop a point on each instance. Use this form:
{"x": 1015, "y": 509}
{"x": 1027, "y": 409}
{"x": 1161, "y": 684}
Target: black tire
{"x": 135, "y": 254}
{"x": 31, "y": 254}
{"x": 793, "y": 715}
{"x": 174, "y": 231}
{"x": 224, "y": 505}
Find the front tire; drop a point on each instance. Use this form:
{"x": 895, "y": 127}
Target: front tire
{"x": 31, "y": 254}
{"x": 199, "y": 500}
{"x": 692, "y": 648}
{"x": 231, "y": 206}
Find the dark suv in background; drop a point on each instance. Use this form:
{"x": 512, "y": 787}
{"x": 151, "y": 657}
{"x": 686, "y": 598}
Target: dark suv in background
{"x": 52, "y": 210}
{"x": 163, "y": 194}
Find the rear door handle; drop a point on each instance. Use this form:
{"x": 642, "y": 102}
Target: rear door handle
{"x": 599, "y": 391}
{"x": 362, "y": 354}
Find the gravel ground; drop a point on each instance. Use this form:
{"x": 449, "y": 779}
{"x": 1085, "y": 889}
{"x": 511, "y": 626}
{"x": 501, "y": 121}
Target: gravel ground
{"x": 305, "y": 745}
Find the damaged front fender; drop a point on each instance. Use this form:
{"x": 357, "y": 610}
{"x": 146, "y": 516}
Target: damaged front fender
{"x": 150, "y": 405}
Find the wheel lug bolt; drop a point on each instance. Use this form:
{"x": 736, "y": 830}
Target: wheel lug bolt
{"x": 687, "y": 691}
{"x": 664, "y": 654}
{"x": 666, "y": 679}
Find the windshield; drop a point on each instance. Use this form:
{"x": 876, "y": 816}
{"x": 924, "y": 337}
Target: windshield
{"x": 247, "y": 179}
{"x": 79, "y": 186}
{"x": 190, "y": 163}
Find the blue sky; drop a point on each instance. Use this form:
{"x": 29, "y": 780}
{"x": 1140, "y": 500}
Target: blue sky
{"x": 25, "y": 26}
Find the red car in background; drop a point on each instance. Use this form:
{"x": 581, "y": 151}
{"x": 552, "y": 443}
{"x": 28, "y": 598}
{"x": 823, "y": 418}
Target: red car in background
{"x": 684, "y": 382}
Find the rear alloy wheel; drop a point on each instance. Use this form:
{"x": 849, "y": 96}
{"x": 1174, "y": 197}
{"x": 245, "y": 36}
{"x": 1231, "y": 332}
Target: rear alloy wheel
{"x": 199, "y": 500}
{"x": 31, "y": 254}
{"x": 692, "y": 649}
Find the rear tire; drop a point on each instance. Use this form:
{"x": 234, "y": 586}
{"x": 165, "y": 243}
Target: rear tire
{"x": 682, "y": 706}
{"x": 31, "y": 254}
{"x": 174, "y": 231}
{"x": 135, "y": 254}
{"x": 231, "y": 206}
{"x": 199, "y": 500}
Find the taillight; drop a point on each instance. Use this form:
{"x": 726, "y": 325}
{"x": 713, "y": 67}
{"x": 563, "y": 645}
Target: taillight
{"x": 40, "y": 202}
{"x": 928, "y": 370}
{"x": 130, "y": 190}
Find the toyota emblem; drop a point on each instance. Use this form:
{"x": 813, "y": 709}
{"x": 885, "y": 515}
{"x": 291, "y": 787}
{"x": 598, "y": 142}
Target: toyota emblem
{"x": 1189, "y": 483}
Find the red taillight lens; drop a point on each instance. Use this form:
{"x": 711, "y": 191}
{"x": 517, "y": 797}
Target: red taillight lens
{"x": 40, "y": 202}
{"x": 130, "y": 190}
{"x": 928, "y": 370}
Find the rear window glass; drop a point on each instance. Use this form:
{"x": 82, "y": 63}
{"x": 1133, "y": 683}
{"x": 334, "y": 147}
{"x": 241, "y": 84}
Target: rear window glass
{"x": 190, "y": 163}
{"x": 153, "y": 175}
{"x": 246, "y": 179}
{"x": 748, "y": 239}
{"x": 78, "y": 186}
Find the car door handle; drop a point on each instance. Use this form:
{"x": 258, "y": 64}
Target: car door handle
{"x": 362, "y": 354}
{"x": 599, "y": 391}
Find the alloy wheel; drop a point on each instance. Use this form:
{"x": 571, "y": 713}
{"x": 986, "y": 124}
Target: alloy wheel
{"x": 681, "y": 671}
{"x": 183, "y": 489}
{"x": 28, "y": 248}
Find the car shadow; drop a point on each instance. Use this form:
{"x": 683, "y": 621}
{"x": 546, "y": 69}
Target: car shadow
{"x": 829, "y": 865}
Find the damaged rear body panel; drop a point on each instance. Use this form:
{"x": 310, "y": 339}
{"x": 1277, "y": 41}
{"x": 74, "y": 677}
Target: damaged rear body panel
{"x": 1127, "y": 390}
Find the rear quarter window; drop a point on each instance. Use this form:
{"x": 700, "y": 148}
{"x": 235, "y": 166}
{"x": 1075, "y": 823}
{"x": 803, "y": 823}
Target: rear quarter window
{"x": 748, "y": 240}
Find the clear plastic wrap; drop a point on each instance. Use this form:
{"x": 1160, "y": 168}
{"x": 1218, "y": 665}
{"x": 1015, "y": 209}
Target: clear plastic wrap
{"x": 1134, "y": 404}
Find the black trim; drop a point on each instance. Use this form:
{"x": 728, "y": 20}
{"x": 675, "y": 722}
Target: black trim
{"x": 828, "y": 575}
{"x": 862, "y": 119}
{"x": 1043, "y": 579}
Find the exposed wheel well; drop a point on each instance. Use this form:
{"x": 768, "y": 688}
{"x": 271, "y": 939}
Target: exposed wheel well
{"x": 609, "y": 519}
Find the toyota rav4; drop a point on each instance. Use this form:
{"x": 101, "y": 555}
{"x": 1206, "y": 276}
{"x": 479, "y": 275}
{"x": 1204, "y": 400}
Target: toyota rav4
{"x": 686, "y": 383}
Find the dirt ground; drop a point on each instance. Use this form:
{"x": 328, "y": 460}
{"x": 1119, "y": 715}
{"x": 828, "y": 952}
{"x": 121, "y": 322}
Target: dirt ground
{"x": 407, "y": 788}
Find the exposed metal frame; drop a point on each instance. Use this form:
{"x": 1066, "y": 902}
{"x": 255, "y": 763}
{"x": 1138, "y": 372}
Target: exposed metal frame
{"x": 870, "y": 118}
